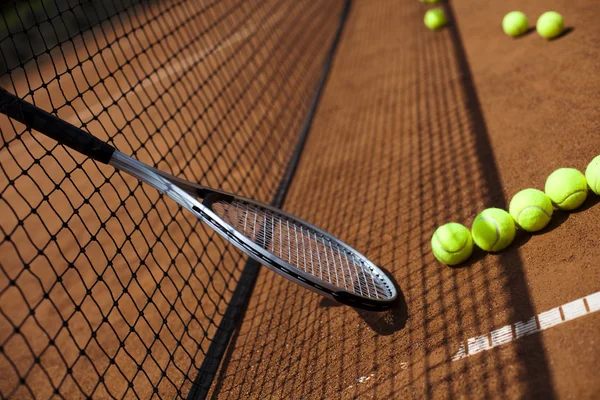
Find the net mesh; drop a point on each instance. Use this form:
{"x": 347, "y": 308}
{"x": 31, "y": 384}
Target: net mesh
{"x": 304, "y": 248}
{"x": 108, "y": 289}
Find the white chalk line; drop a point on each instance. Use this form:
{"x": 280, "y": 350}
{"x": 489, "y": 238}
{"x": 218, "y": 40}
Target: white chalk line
{"x": 509, "y": 333}
{"x": 91, "y": 112}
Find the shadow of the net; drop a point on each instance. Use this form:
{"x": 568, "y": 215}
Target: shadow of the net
{"x": 295, "y": 344}
{"x": 510, "y": 269}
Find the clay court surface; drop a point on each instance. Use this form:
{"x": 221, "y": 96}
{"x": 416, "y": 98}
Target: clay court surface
{"x": 414, "y": 129}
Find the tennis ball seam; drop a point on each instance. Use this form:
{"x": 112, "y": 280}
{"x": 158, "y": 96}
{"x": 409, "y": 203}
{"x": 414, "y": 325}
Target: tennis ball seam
{"x": 527, "y": 208}
{"x": 446, "y": 250}
{"x": 569, "y": 196}
{"x": 497, "y": 229}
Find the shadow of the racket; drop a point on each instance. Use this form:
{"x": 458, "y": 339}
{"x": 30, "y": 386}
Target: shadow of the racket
{"x": 383, "y": 323}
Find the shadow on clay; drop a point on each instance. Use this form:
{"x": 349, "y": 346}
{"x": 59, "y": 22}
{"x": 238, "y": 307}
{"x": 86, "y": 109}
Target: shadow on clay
{"x": 383, "y": 323}
{"x": 564, "y": 33}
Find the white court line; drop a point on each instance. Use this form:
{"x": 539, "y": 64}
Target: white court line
{"x": 509, "y": 333}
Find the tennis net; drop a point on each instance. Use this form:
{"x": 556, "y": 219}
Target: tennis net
{"x": 108, "y": 290}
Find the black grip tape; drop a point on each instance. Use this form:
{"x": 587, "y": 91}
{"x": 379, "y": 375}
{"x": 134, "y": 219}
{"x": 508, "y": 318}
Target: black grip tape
{"x": 54, "y": 127}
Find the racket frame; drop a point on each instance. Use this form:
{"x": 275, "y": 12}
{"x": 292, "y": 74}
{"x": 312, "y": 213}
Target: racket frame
{"x": 185, "y": 193}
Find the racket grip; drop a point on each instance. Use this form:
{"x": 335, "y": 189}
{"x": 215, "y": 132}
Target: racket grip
{"x": 54, "y": 127}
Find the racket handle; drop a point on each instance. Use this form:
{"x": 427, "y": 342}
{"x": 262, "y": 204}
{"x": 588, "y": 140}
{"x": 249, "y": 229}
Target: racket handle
{"x": 54, "y": 127}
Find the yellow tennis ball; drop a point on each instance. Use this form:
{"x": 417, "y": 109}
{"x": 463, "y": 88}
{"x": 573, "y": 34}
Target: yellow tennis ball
{"x": 430, "y": 1}
{"x": 567, "y": 188}
{"x": 493, "y": 230}
{"x": 592, "y": 175}
{"x": 435, "y": 19}
{"x": 531, "y": 209}
{"x": 550, "y": 24}
{"x": 452, "y": 243}
{"x": 515, "y": 23}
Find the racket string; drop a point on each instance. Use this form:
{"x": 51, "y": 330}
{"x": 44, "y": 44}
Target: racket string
{"x": 303, "y": 248}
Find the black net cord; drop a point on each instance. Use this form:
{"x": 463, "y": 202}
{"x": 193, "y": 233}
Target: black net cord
{"x": 243, "y": 291}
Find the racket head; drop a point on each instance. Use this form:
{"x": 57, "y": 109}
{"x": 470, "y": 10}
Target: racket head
{"x": 280, "y": 241}
{"x": 302, "y": 252}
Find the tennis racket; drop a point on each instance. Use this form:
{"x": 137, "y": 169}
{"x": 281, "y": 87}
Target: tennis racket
{"x": 282, "y": 242}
